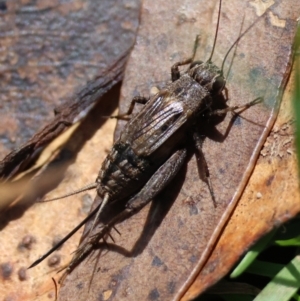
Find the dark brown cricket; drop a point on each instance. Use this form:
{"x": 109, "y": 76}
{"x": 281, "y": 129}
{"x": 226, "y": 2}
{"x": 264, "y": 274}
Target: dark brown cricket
{"x": 163, "y": 247}
{"x": 153, "y": 145}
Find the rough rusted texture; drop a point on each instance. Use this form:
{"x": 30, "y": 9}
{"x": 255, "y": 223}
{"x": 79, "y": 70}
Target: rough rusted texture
{"x": 163, "y": 248}
{"x": 49, "y": 50}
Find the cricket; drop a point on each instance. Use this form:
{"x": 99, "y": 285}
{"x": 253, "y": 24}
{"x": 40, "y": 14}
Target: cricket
{"x": 152, "y": 147}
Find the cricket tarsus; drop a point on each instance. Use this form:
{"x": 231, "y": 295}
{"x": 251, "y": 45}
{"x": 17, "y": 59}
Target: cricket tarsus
{"x": 55, "y": 286}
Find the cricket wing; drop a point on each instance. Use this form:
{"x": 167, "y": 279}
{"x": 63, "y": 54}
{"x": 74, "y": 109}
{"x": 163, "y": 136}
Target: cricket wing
{"x": 160, "y": 118}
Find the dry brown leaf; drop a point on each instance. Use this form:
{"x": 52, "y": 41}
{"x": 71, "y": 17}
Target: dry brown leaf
{"x": 163, "y": 248}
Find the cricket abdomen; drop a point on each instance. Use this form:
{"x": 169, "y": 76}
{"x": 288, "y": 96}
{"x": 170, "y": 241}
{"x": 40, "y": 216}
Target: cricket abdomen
{"x": 123, "y": 172}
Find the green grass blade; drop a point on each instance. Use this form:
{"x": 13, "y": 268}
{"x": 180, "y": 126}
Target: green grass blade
{"x": 264, "y": 268}
{"x": 252, "y": 254}
{"x": 293, "y": 242}
{"x": 284, "y": 284}
{"x": 296, "y": 97}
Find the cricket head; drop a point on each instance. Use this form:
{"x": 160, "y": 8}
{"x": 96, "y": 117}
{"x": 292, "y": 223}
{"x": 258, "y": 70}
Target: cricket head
{"x": 208, "y": 75}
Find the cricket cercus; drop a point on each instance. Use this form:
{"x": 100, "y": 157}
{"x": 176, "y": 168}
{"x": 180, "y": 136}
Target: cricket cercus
{"x": 153, "y": 145}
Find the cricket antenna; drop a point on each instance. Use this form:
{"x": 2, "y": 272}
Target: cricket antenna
{"x": 85, "y": 188}
{"x": 216, "y": 34}
{"x": 238, "y": 39}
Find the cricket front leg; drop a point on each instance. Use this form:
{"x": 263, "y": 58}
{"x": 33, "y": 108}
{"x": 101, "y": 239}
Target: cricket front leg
{"x": 127, "y": 115}
{"x": 160, "y": 179}
{"x": 235, "y": 108}
{"x": 175, "y": 73}
{"x": 236, "y": 112}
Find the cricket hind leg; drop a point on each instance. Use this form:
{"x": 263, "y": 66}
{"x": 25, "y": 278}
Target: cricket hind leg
{"x": 159, "y": 180}
{"x": 202, "y": 163}
{"x": 175, "y": 73}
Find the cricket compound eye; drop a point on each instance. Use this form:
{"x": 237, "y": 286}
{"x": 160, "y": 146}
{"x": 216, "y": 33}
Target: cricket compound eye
{"x": 218, "y": 84}
{"x": 207, "y": 75}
